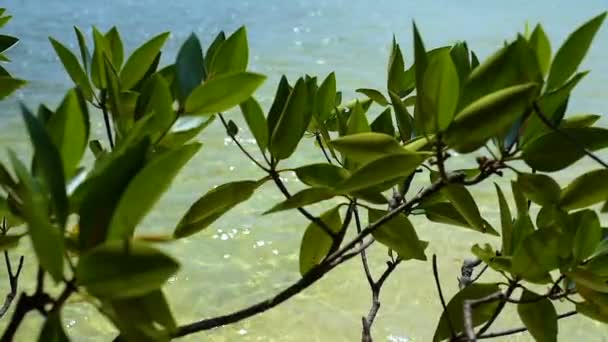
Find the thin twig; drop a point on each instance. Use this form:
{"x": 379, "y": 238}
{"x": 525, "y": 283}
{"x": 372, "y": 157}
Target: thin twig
{"x": 441, "y": 297}
{"x": 240, "y": 146}
{"x": 368, "y": 273}
{"x": 573, "y": 140}
{"x": 106, "y": 118}
{"x": 521, "y": 329}
{"x": 320, "y": 142}
{"x": 467, "y": 308}
{"x": 13, "y": 278}
{"x": 501, "y": 305}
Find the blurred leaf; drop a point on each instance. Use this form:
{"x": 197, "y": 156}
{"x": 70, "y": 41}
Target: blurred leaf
{"x": 454, "y": 313}
{"x": 213, "y": 205}
{"x": 541, "y": 189}
{"x": 141, "y": 59}
{"x": 68, "y": 128}
{"x": 316, "y": 244}
{"x": 366, "y": 147}
{"x": 292, "y": 122}
{"x": 189, "y": 67}
{"x": 9, "y": 241}
{"x": 539, "y": 42}
{"x": 384, "y": 123}
{"x": 506, "y": 222}
{"x": 85, "y": 55}
{"x": 47, "y": 240}
{"x": 116, "y": 48}
{"x": 375, "y": 95}
{"x": 488, "y": 116}
{"x": 6, "y": 42}
{"x": 303, "y": 198}
{"x": 232, "y": 55}
{"x": 144, "y": 314}
{"x": 588, "y": 279}
{"x": 579, "y": 121}
{"x": 223, "y": 92}
{"x": 52, "y": 329}
{"x": 552, "y": 152}
{"x": 254, "y": 116}
{"x": 573, "y": 50}
{"x": 51, "y": 167}
{"x": 123, "y": 269}
{"x": 599, "y": 263}
{"x": 399, "y": 235}
{"x": 185, "y": 128}
{"x": 8, "y": 85}
{"x": 321, "y": 175}
{"x": 464, "y": 202}
{"x": 587, "y": 189}
{"x": 73, "y": 68}
{"x": 98, "y": 72}
{"x": 326, "y": 97}
{"x": 537, "y": 255}
{"x": 539, "y": 317}
{"x": 588, "y": 235}
{"x": 140, "y": 197}
{"x": 388, "y": 168}
{"x": 156, "y": 100}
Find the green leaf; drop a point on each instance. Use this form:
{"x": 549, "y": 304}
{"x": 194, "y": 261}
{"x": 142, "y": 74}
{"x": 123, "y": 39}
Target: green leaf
{"x": 213, "y": 205}
{"x": 375, "y": 95}
{"x": 321, "y": 175}
{"x": 515, "y": 64}
{"x": 292, "y": 122}
{"x": 232, "y": 55}
{"x": 578, "y": 121}
{"x": 520, "y": 200}
{"x": 599, "y": 263}
{"x": 366, "y": 147}
{"x": 223, "y": 92}
{"x": 98, "y": 72}
{"x": 539, "y": 42}
{"x": 540, "y": 189}
{"x": 6, "y": 42}
{"x": 52, "y": 330}
{"x": 357, "y": 120}
{"x": 552, "y": 151}
{"x": 588, "y": 279}
{"x": 73, "y": 68}
{"x": 444, "y": 212}
{"x": 123, "y": 269}
{"x": 422, "y": 117}
{"x": 588, "y": 235}
{"x": 405, "y": 122}
{"x": 68, "y": 128}
{"x": 538, "y": 316}
{"x": 571, "y": 53}
{"x": 439, "y": 92}
{"x": 254, "y": 116}
{"x": 506, "y": 222}
{"x": 462, "y": 62}
{"x": 489, "y": 116}
{"x": 185, "y": 128}
{"x": 585, "y": 190}
{"x": 326, "y": 97}
{"x": 51, "y": 167}
{"x": 316, "y": 244}
{"x": 156, "y": 100}
{"x": 463, "y": 201}
{"x": 384, "y": 169}
{"x": 141, "y": 59}
{"x": 140, "y": 197}
{"x": 8, "y": 85}
{"x": 399, "y": 235}
{"x": 147, "y": 310}
{"x": 9, "y": 241}
{"x": 536, "y": 255}
{"x": 213, "y": 48}
{"x": 116, "y": 48}
{"x": 101, "y": 192}
{"x": 453, "y": 316}
{"x": 189, "y": 67}
{"x": 47, "y": 239}
{"x": 85, "y": 55}
{"x": 303, "y": 198}
{"x": 278, "y": 104}
{"x": 383, "y": 123}
{"x": 397, "y": 80}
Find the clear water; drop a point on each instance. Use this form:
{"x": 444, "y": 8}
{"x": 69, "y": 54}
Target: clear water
{"x": 246, "y": 257}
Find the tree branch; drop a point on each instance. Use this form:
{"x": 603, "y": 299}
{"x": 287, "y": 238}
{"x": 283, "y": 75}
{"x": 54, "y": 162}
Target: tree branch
{"x": 520, "y": 329}
{"x": 240, "y": 146}
{"x": 441, "y": 298}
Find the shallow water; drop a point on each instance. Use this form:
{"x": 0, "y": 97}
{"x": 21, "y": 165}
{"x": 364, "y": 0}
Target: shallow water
{"x": 245, "y": 257}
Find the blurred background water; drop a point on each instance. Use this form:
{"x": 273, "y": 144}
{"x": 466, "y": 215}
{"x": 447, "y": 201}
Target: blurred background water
{"x": 245, "y": 257}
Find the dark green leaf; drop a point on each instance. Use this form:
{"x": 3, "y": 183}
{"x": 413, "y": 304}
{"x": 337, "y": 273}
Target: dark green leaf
{"x": 399, "y": 235}
{"x": 51, "y": 167}
{"x": 541, "y": 189}
{"x": 213, "y": 48}
{"x": 585, "y": 190}
{"x": 254, "y": 116}
{"x": 489, "y": 116}
{"x": 212, "y": 205}
{"x": 232, "y": 55}
{"x": 6, "y": 42}
{"x": 588, "y": 235}
{"x": 303, "y": 198}
{"x": 98, "y": 72}
{"x": 326, "y": 97}
{"x": 141, "y": 59}
{"x": 439, "y": 92}
{"x": 422, "y": 117}
{"x": 571, "y": 53}
{"x": 85, "y": 55}
{"x": 366, "y": 147}
{"x": 8, "y": 85}
{"x": 122, "y": 269}
{"x": 140, "y": 197}
{"x": 539, "y": 316}
{"x": 520, "y": 200}
{"x": 116, "y": 48}
{"x": 454, "y": 314}
{"x": 397, "y": 81}
{"x": 9, "y": 241}
{"x": 536, "y": 255}
{"x": 316, "y": 243}
{"x": 292, "y": 122}
{"x": 384, "y": 123}
{"x": 506, "y": 222}
{"x": 462, "y": 62}
{"x": 321, "y": 175}
{"x": 189, "y": 67}
{"x": 52, "y": 330}
{"x": 223, "y": 92}
{"x": 463, "y": 201}
{"x": 375, "y": 95}
{"x": 588, "y": 279}
{"x": 539, "y": 42}
{"x": 444, "y": 212}
{"x": 73, "y": 68}
{"x": 405, "y": 122}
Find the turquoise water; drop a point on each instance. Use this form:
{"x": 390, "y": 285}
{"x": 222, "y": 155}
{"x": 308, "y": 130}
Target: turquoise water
{"x": 246, "y": 257}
